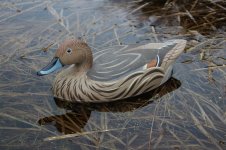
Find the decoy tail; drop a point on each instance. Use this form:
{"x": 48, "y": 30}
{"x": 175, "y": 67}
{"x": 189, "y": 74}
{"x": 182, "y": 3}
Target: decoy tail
{"x": 172, "y": 55}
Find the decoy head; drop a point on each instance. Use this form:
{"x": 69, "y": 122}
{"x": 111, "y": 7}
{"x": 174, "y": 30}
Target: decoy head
{"x": 70, "y": 52}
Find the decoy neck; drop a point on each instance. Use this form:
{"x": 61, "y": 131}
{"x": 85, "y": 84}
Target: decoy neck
{"x": 70, "y": 52}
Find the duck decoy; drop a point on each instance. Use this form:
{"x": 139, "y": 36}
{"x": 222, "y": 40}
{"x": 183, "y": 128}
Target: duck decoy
{"x": 111, "y": 74}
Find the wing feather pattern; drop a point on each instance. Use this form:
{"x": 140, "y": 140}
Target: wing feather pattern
{"x": 121, "y": 60}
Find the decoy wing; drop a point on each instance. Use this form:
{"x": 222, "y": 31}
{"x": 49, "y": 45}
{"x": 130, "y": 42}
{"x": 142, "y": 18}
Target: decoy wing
{"x": 119, "y": 61}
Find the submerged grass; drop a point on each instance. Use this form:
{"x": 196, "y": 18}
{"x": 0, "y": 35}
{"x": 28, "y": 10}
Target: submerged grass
{"x": 185, "y": 113}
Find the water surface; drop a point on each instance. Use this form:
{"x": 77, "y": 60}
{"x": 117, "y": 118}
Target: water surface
{"x": 188, "y": 112}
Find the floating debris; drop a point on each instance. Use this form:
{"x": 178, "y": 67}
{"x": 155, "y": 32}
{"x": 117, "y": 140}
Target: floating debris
{"x": 45, "y": 49}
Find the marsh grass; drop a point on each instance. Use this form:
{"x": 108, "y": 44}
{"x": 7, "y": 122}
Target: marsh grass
{"x": 185, "y": 113}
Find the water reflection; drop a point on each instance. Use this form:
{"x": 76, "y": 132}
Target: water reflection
{"x": 75, "y": 120}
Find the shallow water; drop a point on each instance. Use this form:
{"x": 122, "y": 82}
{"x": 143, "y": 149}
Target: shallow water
{"x": 188, "y": 112}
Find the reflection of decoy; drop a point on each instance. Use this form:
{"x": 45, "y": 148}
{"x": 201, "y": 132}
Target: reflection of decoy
{"x": 74, "y": 121}
{"x": 68, "y": 123}
{"x": 112, "y": 74}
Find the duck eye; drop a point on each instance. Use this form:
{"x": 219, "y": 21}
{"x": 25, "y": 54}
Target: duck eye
{"x": 69, "y": 50}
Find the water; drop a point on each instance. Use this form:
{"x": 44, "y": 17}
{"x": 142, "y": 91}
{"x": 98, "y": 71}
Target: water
{"x": 186, "y": 112}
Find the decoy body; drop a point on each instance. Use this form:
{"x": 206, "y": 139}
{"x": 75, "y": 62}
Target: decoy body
{"x": 111, "y": 74}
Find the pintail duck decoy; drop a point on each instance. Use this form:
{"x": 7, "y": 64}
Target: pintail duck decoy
{"x": 111, "y": 74}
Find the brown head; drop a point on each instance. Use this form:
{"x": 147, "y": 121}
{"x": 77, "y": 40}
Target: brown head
{"x": 70, "y": 52}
